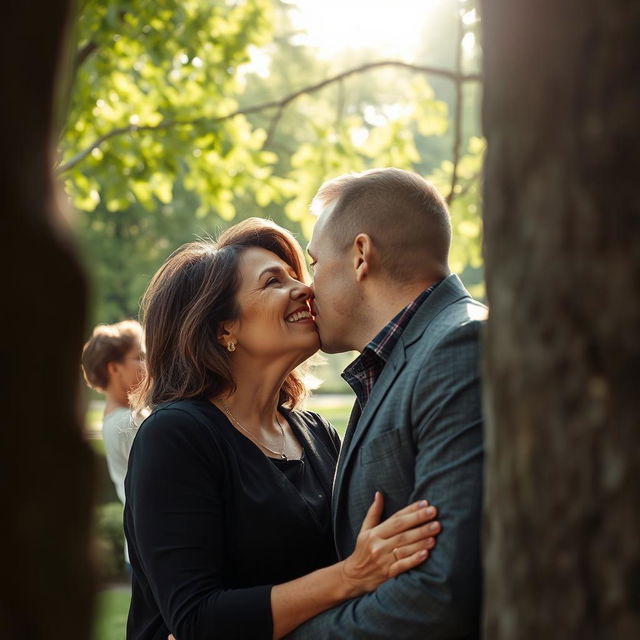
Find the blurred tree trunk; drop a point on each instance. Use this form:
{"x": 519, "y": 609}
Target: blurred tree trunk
{"x": 46, "y": 468}
{"x": 562, "y": 219}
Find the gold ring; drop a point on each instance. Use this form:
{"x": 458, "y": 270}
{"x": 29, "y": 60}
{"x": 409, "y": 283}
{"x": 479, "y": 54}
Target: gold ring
{"x": 395, "y": 554}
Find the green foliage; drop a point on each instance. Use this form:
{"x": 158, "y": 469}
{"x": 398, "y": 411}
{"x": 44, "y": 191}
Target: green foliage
{"x": 110, "y": 540}
{"x": 168, "y": 68}
{"x": 466, "y": 250}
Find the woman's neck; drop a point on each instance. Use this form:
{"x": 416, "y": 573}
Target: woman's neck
{"x": 255, "y": 399}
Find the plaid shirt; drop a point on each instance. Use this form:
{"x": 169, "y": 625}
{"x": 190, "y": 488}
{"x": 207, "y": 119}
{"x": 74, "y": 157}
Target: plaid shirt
{"x": 363, "y": 372}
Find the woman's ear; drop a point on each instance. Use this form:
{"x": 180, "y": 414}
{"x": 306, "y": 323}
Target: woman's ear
{"x": 361, "y": 255}
{"x": 225, "y": 334}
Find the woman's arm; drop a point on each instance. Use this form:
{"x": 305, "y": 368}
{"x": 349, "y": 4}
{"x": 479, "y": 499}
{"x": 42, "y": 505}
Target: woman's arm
{"x": 382, "y": 551}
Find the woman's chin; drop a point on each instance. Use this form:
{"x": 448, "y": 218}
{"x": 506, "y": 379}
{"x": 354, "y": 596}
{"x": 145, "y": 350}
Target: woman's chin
{"x": 308, "y": 352}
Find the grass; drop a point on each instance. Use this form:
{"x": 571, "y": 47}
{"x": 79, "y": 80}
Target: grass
{"x": 93, "y": 417}
{"x": 111, "y": 614}
{"x": 336, "y": 409}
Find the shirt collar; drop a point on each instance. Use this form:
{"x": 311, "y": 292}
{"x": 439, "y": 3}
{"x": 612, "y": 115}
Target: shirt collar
{"x": 363, "y": 372}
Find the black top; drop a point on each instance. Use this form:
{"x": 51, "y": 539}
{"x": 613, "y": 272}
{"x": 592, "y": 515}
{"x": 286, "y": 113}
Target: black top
{"x": 212, "y": 523}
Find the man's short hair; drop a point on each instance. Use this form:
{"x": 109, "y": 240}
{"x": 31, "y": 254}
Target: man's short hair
{"x": 405, "y": 216}
{"x": 108, "y": 343}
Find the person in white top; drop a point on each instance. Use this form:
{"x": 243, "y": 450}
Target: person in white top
{"x": 112, "y": 362}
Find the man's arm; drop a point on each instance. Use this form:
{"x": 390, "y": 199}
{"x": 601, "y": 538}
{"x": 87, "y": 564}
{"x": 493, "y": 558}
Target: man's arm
{"x": 441, "y": 598}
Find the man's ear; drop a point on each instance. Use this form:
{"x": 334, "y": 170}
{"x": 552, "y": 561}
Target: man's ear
{"x": 362, "y": 249}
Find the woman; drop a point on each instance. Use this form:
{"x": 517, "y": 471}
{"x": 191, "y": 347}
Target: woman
{"x": 228, "y": 489}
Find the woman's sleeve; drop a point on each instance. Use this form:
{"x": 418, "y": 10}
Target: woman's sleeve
{"x": 175, "y": 496}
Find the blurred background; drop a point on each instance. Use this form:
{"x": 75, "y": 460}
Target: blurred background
{"x": 185, "y": 116}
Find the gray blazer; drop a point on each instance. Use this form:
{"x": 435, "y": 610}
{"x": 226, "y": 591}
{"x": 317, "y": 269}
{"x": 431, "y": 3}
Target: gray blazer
{"x": 419, "y": 436}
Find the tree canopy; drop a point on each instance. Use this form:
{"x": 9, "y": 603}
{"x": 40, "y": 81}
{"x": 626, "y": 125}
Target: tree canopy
{"x": 184, "y": 116}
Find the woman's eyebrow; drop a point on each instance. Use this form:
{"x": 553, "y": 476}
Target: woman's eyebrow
{"x": 271, "y": 270}
{"x": 277, "y": 270}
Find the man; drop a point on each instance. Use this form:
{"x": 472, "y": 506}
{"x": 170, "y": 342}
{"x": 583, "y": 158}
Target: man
{"x": 382, "y": 286}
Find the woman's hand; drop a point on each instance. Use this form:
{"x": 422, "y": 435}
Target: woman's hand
{"x": 385, "y": 550}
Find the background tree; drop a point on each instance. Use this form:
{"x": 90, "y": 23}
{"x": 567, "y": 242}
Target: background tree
{"x": 46, "y": 469}
{"x": 562, "y": 221}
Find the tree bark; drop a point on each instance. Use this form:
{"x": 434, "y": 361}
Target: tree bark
{"x": 46, "y": 467}
{"x": 562, "y": 221}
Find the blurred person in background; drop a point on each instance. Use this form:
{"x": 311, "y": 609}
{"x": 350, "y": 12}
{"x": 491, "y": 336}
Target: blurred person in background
{"x": 112, "y": 363}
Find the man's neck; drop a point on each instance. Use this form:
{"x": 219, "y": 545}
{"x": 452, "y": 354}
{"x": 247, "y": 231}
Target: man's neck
{"x": 383, "y": 304}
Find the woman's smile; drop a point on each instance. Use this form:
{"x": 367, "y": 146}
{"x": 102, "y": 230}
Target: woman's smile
{"x": 301, "y": 316}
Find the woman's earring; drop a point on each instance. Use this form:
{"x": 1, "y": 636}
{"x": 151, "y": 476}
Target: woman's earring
{"x": 231, "y": 346}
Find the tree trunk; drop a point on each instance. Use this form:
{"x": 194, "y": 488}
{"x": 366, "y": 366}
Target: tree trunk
{"x": 46, "y": 468}
{"x": 562, "y": 220}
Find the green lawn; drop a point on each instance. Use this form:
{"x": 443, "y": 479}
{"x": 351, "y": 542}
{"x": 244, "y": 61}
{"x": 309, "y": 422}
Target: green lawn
{"x": 112, "y": 611}
{"x": 93, "y": 417}
{"x": 336, "y": 409}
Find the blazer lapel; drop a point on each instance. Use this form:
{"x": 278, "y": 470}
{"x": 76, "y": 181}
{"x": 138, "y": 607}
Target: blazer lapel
{"x": 348, "y": 435}
{"x": 448, "y": 292}
{"x": 359, "y": 427}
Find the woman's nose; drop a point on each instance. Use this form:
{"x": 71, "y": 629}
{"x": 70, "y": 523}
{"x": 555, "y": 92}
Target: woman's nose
{"x": 300, "y": 291}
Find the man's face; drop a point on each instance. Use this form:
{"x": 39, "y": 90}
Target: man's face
{"x": 334, "y": 288}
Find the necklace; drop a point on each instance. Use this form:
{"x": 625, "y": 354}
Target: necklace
{"x": 280, "y": 454}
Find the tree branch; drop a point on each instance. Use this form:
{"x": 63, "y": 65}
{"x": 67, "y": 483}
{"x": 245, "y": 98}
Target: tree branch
{"x": 273, "y": 125}
{"x": 469, "y": 183}
{"x": 83, "y": 53}
{"x": 340, "y": 103}
{"x": 273, "y": 104}
{"x": 457, "y": 131}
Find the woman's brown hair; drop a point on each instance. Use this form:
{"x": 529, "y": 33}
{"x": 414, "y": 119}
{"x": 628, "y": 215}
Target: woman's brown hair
{"x": 184, "y": 304}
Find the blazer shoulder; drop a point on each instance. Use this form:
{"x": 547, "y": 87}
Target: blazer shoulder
{"x": 462, "y": 312}
{"x": 456, "y": 316}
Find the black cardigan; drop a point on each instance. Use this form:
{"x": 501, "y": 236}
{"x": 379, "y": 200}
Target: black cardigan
{"x": 212, "y": 523}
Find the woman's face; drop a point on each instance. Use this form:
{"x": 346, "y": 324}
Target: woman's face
{"x": 133, "y": 367}
{"x": 127, "y": 373}
{"x": 275, "y": 317}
